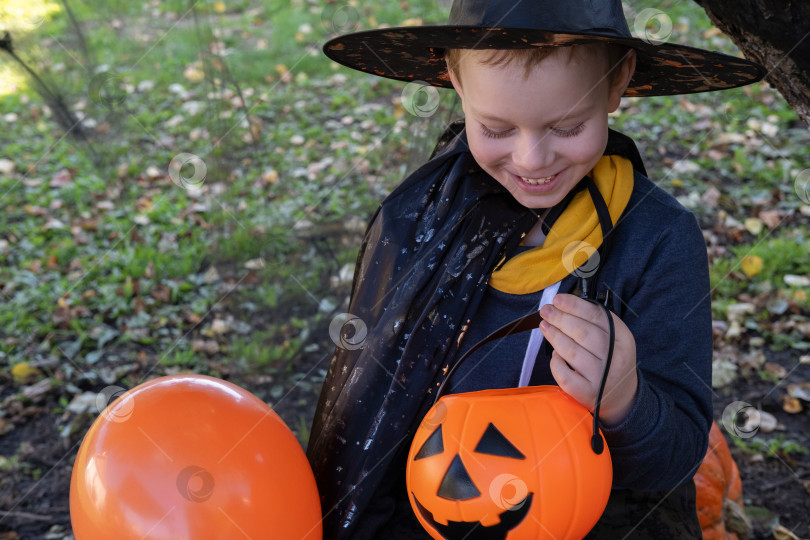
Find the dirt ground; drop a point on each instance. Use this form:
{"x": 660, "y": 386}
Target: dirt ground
{"x": 778, "y": 482}
{"x": 34, "y": 489}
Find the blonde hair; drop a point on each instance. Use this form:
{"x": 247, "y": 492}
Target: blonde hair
{"x": 531, "y": 57}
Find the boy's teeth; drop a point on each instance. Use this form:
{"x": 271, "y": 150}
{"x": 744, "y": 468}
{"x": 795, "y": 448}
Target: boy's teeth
{"x": 537, "y": 181}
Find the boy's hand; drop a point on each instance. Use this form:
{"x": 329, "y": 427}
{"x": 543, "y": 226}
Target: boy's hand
{"x": 578, "y": 331}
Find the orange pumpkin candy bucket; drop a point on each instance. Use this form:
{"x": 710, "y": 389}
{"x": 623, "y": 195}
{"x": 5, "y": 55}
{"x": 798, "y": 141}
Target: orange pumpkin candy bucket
{"x": 513, "y": 464}
{"x": 509, "y": 464}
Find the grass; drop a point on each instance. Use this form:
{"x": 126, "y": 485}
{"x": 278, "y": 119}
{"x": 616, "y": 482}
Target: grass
{"x": 778, "y": 255}
{"x": 295, "y": 148}
{"x": 774, "y": 447}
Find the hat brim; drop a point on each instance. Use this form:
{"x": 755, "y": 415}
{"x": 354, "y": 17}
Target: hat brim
{"x": 417, "y": 54}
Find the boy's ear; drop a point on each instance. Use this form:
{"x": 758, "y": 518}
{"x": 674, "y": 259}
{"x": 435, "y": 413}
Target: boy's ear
{"x": 621, "y": 79}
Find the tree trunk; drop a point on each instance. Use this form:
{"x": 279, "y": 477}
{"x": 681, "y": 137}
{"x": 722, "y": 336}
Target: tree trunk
{"x": 775, "y": 33}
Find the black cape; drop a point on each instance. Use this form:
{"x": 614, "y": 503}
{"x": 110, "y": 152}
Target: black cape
{"x": 420, "y": 276}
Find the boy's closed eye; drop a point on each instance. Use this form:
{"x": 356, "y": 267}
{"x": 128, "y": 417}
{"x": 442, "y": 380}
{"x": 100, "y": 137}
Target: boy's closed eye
{"x": 495, "y": 134}
{"x": 569, "y": 132}
{"x": 558, "y": 131}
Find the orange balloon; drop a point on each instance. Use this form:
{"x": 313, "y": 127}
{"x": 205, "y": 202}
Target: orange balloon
{"x": 515, "y": 464}
{"x": 192, "y": 457}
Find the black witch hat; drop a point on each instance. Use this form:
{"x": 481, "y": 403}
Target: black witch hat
{"x": 416, "y": 53}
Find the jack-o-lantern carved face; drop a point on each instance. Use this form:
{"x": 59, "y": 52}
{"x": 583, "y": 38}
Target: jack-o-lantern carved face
{"x": 507, "y": 465}
{"x": 457, "y": 485}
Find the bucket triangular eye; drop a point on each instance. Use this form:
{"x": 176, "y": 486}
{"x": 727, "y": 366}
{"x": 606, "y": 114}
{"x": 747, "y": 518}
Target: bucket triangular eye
{"x": 494, "y": 443}
{"x": 457, "y": 484}
{"x": 433, "y": 445}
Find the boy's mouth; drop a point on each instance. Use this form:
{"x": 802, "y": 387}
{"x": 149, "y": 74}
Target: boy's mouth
{"x": 540, "y": 184}
{"x": 538, "y": 181}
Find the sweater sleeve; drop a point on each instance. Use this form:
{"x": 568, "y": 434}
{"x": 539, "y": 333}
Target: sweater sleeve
{"x": 662, "y": 441}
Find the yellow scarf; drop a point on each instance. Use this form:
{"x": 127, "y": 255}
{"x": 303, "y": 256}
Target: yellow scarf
{"x": 573, "y": 237}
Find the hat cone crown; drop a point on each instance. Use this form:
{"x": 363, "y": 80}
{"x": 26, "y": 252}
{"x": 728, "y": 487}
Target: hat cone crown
{"x": 563, "y": 16}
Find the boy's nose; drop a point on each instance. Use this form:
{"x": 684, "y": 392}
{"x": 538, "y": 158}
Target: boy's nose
{"x": 533, "y": 154}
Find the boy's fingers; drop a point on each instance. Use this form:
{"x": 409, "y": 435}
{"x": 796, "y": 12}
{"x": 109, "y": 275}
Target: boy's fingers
{"x": 571, "y": 381}
{"x": 579, "y": 358}
{"x": 580, "y": 332}
{"x": 582, "y": 309}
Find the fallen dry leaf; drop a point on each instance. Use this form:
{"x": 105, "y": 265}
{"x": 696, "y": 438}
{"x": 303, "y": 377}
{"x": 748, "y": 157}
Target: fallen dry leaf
{"x": 144, "y": 204}
{"x": 7, "y": 166}
{"x": 767, "y": 422}
{"x": 752, "y": 361}
{"x": 737, "y": 312}
{"x": 723, "y": 372}
{"x": 194, "y": 72}
{"x": 32, "y": 210}
{"x": 780, "y": 532}
{"x": 220, "y": 327}
{"x": 61, "y": 316}
{"x": 711, "y": 197}
{"x": 255, "y": 264}
{"x": 771, "y": 218}
{"x": 35, "y": 267}
{"x": 753, "y": 225}
{"x": 23, "y": 371}
{"x": 751, "y": 265}
{"x": 775, "y": 369}
{"x": 791, "y": 405}
{"x": 797, "y": 281}
{"x": 61, "y": 178}
{"x": 205, "y": 345}
{"x": 37, "y": 391}
{"x": 161, "y": 293}
{"x": 799, "y": 390}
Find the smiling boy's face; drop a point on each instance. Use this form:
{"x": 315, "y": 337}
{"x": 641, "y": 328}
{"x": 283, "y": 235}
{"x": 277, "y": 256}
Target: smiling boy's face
{"x": 539, "y": 134}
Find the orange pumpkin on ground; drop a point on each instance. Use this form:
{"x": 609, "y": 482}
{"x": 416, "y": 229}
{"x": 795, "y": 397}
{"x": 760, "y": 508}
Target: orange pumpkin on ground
{"x": 719, "y": 489}
{"x": 515, "y": 464}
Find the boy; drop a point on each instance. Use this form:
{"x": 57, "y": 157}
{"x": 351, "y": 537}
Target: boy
{"x": 497, "y": 225}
